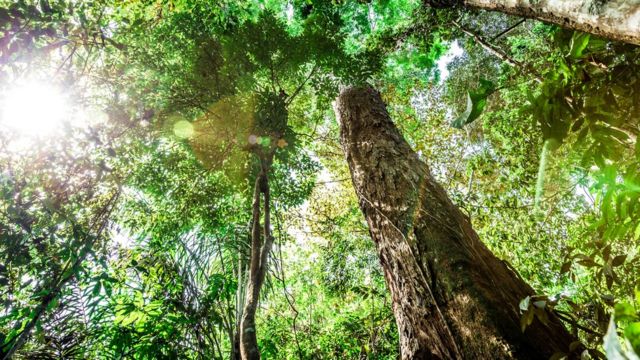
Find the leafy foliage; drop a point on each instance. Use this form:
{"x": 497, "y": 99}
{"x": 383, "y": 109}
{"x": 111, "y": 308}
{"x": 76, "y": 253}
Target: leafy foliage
{"x": 129, "y": 237}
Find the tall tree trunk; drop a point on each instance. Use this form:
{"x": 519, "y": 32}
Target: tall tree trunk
{"x": 452, "y": 298}
{"x": 258, "y": 266}
{"x": 612, "y": 19}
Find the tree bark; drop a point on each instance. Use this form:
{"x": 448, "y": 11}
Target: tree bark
{"x": 452, "y": 298}
{"x": 613, "y": 19}
{"x": 235, "y": 337}
{"x": 258, "y": 264}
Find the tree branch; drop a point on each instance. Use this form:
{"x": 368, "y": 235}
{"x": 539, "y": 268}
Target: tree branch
{"x": 295, "y": 93}
{"x": 495, "y": 51}
{"x": 508, "y": 30}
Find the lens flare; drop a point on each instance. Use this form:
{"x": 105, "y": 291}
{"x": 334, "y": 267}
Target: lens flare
{"x": 34, "y": 109}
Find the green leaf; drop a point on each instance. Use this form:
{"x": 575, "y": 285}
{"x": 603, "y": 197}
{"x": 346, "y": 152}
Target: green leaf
{"x": 579, "y": 42}
{"x": 541, "y": 314}
{"x": 540, "y": 304}
{"x": 526, "y": 319}
{"x": 632, "y": 333}
{"x": 606, "y": 206}
{"x": 465, "y": 117}
{"x": 53, "y": 303}
{"x": 96, "y": 289}
{"x": 625, "y": 312}
{"x": 524, "y": 304}
{"x": 574, "y": 345}
{"x": 476, "y": 102}
{"x": 586, "y": 260}
{"x": 618, "y": 260}
{"x": 127, "y": 319}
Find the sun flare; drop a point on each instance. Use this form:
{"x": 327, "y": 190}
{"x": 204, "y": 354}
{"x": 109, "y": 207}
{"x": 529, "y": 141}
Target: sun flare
{"x": 33, "y": 109}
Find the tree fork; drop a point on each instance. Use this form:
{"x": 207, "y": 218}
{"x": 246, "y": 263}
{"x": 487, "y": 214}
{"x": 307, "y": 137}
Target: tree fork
{"x": 451, "y": 297}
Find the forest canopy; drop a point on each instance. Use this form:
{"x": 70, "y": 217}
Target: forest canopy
{"x": 310, "y": 179}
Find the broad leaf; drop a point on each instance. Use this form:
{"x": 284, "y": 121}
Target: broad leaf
{"x": 476, "y": 102}
{"x": 579, "y": 42}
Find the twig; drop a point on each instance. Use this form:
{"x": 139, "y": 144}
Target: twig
{"x": 495, "y": 51}
{"x": 295, "y": 93}
{"x": 573, "y": 322}
{"x": 508, "y": 30}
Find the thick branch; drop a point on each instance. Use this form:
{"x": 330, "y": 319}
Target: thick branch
{"x": 615, "y": 19}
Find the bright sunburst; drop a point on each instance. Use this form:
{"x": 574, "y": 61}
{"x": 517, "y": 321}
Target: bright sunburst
{"x": 33, "y": 109}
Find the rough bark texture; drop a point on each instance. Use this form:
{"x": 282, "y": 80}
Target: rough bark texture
{"x": 452, "y": 298}
{"x": 612, "y": 19}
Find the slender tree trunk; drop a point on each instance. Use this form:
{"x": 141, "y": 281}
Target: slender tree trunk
{"x": 235, "y": 337}
{"x": 452, "y": 298}
{"x": 612, "y": 19}
{"x": 248, "y": 340}
{"x": 258, "y": 266}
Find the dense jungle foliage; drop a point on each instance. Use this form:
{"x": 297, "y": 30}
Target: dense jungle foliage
{"x": 132, "y": 134}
